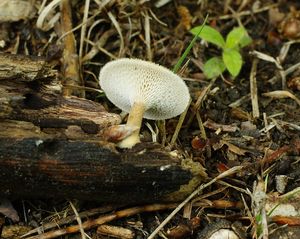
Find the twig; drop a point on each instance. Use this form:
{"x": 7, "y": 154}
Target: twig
{"x": 266, "y": 124}
{"x": 104, "y": 219}
{"x": 246, "y": 13}
{"x": 199, "y": 101}
{"x": 68, "y": 219}
{"x": 83, "y": 28}
{"x": 240, "y": 101}
{"x": 148, "y": 36}
{"x": 70, "y": 58}
{"x": 266, "y": 57}
{"x": 197, "y": 191}
{"x": 236, "y": 16}
{"x": 287, "y": 71}
{"x": 83, "y": 235}
{"x": 201, "y": 126}
{"x": 179, "y": 125}
{"x": 253, "y": 89}
{"x": 98, "y": 46}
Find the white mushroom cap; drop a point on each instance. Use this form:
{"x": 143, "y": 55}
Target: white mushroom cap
{"x": 127, "y": 81}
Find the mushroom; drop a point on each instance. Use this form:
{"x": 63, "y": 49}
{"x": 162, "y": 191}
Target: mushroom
{"x": 145, "y": 90}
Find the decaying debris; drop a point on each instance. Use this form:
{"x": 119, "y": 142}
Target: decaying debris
{"x": 53, "y": 146}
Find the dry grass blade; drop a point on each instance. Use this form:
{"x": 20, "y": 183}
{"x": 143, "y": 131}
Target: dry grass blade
{"x": 247, "y": 12}
{"x": 179, "y": 125}
{"x": 44, "y": 13}
{"x": 117, "y": 26}
{"x": 83, "y": 28}
{"x": 281, "y": 94}
{"x": 287, "y": 71}
{"x": 266, "y": 57}
{"x": 253, "y": 89}
{"x": 199, "y": 101}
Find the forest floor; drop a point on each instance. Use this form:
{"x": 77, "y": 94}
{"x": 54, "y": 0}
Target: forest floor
{"x": 251, "y": 120}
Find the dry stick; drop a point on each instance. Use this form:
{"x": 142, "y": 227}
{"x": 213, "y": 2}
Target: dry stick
{"x": 287, "y": 71}
{"x": 104, "y": 219}
{"x": 193, "y": 194}
{"x": 70, "y": 57}
{"x": 148, "y": 36}
{"x": 200, "y": 99}
{"x": 95, "y": 49}
{"x": 69, "y": 219}
{"x": 234, "y": 187}
{"x": 78, "y": 218}
{"x": 201, "y": 126}
{"x": 253, "y": 89}
{"x": 246, "y": 13}
{"x": 179, "y": 125}
{"x": 266, "y": 125}
{"x": 98, "y": 46}
{"x": 236, "y": 16}
{"x": 83, "y": 28}
{"x": 85, "y": 22}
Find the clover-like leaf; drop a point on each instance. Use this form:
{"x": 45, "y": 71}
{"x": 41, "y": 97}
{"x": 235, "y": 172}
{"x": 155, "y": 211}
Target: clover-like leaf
{"x": 214, "y": 67}
{"x": 233, "y": 61}
{"x": 238, "y": 37}
{"x": 210, "y": 35}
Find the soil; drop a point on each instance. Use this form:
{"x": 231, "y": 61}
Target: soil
{"x": 221, "y": 132}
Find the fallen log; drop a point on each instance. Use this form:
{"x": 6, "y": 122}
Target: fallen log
{"x": 52, "y": 146}
{"x": 34, "y": 164}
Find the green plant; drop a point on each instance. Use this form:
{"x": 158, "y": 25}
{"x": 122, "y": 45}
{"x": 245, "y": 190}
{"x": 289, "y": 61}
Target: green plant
{"x": 231, "y": 58}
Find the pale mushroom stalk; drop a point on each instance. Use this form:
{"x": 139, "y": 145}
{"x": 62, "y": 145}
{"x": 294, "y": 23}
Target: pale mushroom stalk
{"x": 134, "y": 120}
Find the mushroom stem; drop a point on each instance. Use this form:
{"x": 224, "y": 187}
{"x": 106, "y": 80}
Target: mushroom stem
{"x": 135, "y": 119}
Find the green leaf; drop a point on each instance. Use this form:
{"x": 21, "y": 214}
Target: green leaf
{"x": 238, "y": 37}
{"x": 210, "y": 35}
{"x": 188, "y": 49}
{"x": 214, "y": 67}
{"x": 233, "y": 61}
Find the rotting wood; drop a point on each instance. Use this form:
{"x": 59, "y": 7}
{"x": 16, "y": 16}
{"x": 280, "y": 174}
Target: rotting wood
{"x": 52, "y": 146}
{"x": 25, "y": 68}
{"x": 45, "y": 167}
